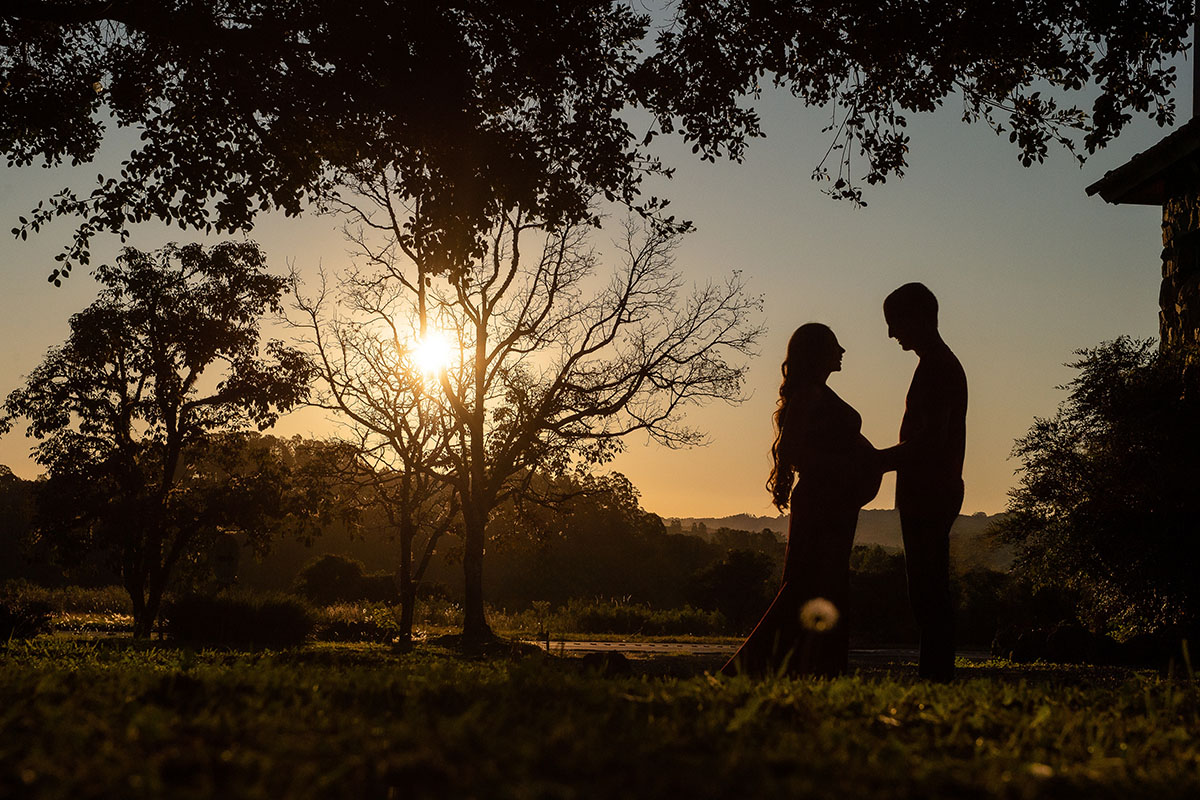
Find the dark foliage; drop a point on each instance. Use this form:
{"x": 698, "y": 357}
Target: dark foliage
{"x": 482, "y": 105}
{"x": 361, "y": 623}
{"x": 879, "y": 608}
{"x": 1107, "y": 510}
{"x": 875, "y": 63}
{"x": 16, "y": 526}
{"x": 638, "y": 619}
{"x": 477, "y": 105}
{"x": 141, "y": 463}
{"x": 273, "y": 620}
{"x": 597, "y": 543}
{"x": 739, "y": 586}
{"x": 22, "y": 617}
{"x": 335, "y": 578}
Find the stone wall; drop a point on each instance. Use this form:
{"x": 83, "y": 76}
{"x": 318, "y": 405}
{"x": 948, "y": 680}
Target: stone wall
{"x": 1179, "y": 296}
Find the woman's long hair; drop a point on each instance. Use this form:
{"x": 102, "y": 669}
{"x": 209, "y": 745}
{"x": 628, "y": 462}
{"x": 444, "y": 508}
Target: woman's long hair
{"x": 806, "y": 340}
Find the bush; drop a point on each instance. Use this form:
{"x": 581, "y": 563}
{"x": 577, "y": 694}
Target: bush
{"x": 979, "y": 605}
{"x": 333, "y": 579}
{"x": 879, "y": 608}
{"x": 21, "y": 618}
{"x": 348, "y": 622}
{"x": 438, "y": 612}
{"x": 272, "y": 620}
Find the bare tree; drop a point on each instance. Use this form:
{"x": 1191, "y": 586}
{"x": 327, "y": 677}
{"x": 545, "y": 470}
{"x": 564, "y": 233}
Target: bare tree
{"x": 368, "y": 371}
{"x": 551, "y": 363}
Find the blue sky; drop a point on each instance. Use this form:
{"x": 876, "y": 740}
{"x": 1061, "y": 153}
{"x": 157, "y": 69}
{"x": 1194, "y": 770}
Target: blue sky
{"x": 1027, "y": 269}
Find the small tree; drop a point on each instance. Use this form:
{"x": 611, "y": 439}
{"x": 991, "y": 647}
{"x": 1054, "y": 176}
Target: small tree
{"x": 369, "y": 371}
{"x": 126, "y": 410}
{"x": 1106, "y": 506}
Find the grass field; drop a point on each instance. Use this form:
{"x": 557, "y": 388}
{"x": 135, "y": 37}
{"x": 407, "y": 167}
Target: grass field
{"x": 113, "y": 718}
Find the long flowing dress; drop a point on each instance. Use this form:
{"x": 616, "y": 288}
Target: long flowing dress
{"x": 804, "y": 631}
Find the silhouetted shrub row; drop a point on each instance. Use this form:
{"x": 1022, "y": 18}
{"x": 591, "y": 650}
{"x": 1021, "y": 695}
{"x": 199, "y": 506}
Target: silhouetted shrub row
{"x": 1071, "y": 643}
{"x": 272, "y": 620}
{"x": 333, "y": 579}
{"x": 21, "y": 618}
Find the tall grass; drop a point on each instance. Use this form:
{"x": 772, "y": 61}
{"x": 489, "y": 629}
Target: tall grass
{"x": 612, "y": 616}
{"x": 72, "y": 599}
{"x": 599, "y": 616}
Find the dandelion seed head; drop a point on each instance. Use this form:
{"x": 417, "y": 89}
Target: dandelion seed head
{"x": 819, "y": 615}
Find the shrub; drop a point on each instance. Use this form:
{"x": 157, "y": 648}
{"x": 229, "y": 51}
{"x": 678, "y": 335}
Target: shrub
{"x": 979, "y": 605}
{"x": 1106, "y": 502}
{"x": 333, "y": 579}
{"x": 275, "y": 620}
{"x": 22, "y": 618}
{"x": 438, "y": 612}
{"x": 879, "y": 608}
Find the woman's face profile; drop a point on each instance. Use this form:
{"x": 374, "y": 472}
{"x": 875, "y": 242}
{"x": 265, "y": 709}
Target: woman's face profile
{"x": 822, "y": 354}
{"x": 832, "y": 359}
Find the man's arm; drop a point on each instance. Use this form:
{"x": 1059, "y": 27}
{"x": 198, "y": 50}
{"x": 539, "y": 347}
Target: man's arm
{"x": 892, "y": 458}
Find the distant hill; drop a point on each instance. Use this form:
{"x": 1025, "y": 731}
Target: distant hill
{"x": 880, "y": 527}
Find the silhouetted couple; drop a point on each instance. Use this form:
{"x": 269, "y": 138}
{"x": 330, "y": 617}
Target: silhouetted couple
{"x": 820, "y": 448}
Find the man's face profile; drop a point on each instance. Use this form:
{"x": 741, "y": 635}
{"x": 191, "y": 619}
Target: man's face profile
{"x": 901, "y": 327}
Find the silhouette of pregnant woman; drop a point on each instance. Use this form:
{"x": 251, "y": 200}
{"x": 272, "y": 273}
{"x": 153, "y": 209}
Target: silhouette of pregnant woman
{"x": 836, "y": 471}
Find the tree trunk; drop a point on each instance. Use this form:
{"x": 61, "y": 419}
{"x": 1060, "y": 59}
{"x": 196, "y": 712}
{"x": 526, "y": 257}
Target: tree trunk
{"x": 137, "y": 598}
{"x": 476, "y": 630}
{"x": 135, "y": 584}
{"x": 154, "y": 604}
{"x": 407, "y": 590}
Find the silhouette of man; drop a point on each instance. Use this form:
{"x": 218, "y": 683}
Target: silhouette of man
{"x": 928, "y": 463}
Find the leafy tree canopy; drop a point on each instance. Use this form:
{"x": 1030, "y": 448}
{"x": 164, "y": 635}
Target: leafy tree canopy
{"x": 873, "y": 63}
{"x": 483, "y": 105}
{"x": 133, "y": 423}
{"x": 1106, "y": 506}
{"x": 245, "y": 106}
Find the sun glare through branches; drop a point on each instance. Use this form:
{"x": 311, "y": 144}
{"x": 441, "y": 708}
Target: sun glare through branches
{"x": 432, "y": 353}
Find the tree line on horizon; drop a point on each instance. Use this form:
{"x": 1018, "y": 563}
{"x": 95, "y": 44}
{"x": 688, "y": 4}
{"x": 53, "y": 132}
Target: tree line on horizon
{"x": 600, "y": 547}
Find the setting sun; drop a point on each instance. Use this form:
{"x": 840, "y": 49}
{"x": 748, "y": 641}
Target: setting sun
{"x": 431, "y": 353}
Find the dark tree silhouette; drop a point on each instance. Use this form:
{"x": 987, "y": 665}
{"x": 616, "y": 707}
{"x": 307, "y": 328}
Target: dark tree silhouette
{"x": 478, "y": 105}
{"x": 1106, "y": 509}
{"x": 1012, "y": 65}
{"x": 738, "y": 586}
{"x": 127, "y": 410}
{"x": 482, "y": 105}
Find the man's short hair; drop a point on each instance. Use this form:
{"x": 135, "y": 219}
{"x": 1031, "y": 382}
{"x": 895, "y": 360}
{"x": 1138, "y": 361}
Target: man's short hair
{"x": 912, "y": 299}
